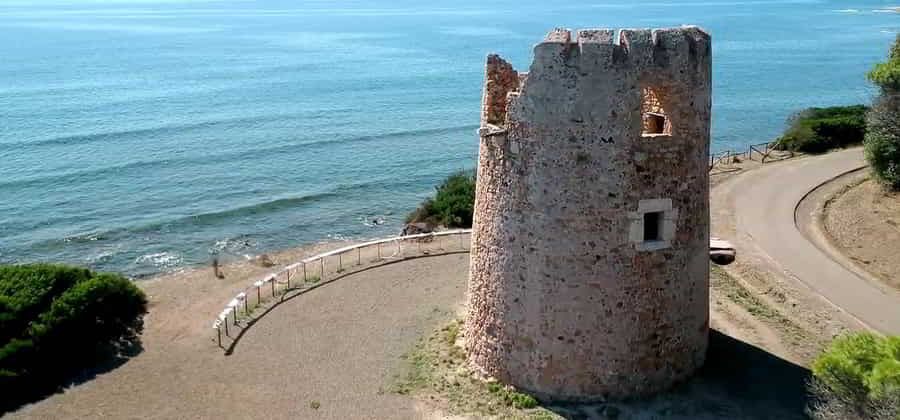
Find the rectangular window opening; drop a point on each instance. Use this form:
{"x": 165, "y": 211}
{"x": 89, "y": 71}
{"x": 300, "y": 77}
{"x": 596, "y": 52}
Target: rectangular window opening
{"x": 654, "y": 124}
{"x": 653, "y": 226}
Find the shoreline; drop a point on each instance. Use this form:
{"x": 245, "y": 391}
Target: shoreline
{"x": 280, "y": 256}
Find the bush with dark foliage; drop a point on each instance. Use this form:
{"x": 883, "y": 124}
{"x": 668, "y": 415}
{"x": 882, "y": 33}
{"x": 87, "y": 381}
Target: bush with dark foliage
{"x": 882, "y": 142}
{"x": 818, "y": 130}
{"x": 452, "y": 205}
{"x": 56, "y": 322}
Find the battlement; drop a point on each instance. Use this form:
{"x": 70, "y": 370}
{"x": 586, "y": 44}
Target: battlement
{"x": 659, "y": 63}
{"x": 629, "y": 39}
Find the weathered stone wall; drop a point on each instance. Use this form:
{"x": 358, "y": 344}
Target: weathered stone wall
{"x": 568, "y": 297}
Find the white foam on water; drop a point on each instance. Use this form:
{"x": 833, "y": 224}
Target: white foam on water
{"x": 160, "y": 259}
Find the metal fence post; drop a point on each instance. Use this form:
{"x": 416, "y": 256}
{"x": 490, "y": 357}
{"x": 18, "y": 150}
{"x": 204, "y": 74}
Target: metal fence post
{"x": 273, "y": 287}
{"x": 322, "y": 273}
{"x": 359, "y": 256}
{"x": 379, "y": 250}
{"x": 304, "y": 272}
{"x": 340, "y": 262}
{"x": 288, "y": 278}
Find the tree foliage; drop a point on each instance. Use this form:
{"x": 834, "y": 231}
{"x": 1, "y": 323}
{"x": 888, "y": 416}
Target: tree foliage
{"x": 452, "y": 205}
{"x": 882, "y": 143}
{"x": 887, "y": 75}
{"x": 858, "y": 376}
{"x": 818, "y": 130}
{"x": 57, "y": 320}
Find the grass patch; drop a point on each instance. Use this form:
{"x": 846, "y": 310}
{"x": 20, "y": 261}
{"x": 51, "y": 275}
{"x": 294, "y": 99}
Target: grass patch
{"x": 734, "y": 291}
{"x": 435, "y": 371}
{"x": 512, "y": 398}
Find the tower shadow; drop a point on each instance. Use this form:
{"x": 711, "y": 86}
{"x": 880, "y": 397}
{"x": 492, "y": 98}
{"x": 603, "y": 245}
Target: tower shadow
{"x": 738, "y": 381}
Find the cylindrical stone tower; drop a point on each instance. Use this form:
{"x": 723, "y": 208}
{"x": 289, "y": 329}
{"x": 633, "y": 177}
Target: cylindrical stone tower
{"x": 590, "y": 272}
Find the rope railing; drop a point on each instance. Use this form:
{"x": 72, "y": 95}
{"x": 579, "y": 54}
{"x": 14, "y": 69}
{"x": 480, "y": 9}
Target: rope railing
{"x": 314, "y": 269}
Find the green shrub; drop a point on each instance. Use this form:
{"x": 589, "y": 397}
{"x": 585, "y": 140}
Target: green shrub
{"x": 882, "y": 142}
{"x": 511, "y": 397}
{"x": 817, "y": 130}
{"x": 56, "y": 321}
{"x": 887, "y": 75}
{"x": 858, "y": 376}
{"x": 452, "y": 204}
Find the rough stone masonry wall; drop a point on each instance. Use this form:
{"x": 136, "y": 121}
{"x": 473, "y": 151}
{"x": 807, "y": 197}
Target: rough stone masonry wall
{"x": 564, "y": 299}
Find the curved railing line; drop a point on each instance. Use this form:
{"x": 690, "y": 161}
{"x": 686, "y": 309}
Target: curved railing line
{"x": 242, "y": 298}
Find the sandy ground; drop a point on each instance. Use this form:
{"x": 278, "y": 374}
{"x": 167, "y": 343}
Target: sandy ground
{"x": 329, "y": 351}
{"x": 864, "y": 222}
{"x": 334, "y": 346}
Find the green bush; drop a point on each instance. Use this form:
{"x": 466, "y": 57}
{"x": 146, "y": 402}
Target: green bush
{"x": 817, "y": 130}
{"x": 882, "y": 143}
{"x": 887, "y": 75}
{"x": 858, "y": 376}
{"x": 56, "y": 321}
{"x": 452, "y": 204}
{"x": 511, "y": 397}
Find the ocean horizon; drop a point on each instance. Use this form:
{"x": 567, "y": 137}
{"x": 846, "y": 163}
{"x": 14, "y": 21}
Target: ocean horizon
{"x": 146, "y": 136}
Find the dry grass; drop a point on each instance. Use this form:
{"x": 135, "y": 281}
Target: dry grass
{"x": 436, "y": 372}
{"x": 862, "y": 220}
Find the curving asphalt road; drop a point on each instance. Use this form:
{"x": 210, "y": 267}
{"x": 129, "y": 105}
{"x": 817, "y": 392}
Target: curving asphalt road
{"x": 764, "y": 203}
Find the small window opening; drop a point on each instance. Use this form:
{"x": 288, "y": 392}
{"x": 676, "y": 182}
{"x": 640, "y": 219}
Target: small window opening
{"x": 653, "y": 226}
{"x": 654, "y": 123}
{"x": 653, "y": 115}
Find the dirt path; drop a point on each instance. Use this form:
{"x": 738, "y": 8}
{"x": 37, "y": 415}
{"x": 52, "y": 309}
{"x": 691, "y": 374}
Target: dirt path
{"x": 333, "y": 348}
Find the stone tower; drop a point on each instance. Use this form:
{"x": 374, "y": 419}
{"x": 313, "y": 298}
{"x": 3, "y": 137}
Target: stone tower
{"x": 590, "y": 267}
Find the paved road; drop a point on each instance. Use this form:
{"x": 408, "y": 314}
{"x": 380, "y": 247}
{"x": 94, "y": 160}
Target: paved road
{"x": 764, "y": 204}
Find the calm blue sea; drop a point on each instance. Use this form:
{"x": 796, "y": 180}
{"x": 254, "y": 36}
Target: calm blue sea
{"x": 145, "y": 135}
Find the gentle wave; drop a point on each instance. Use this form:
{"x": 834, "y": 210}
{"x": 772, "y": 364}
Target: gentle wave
{"x": 170, "y": 128}
{"x": 259, "y": 208}
{"x": 100, "y": 173}
{"x": 211, "y": 218}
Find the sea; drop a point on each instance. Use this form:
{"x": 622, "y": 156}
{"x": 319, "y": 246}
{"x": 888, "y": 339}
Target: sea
{"x": 148, "y": 136}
